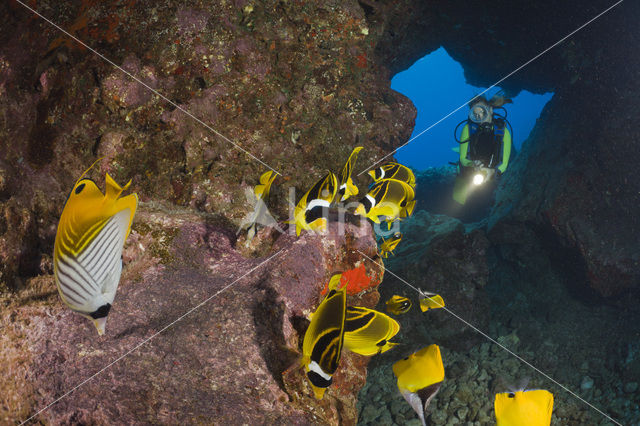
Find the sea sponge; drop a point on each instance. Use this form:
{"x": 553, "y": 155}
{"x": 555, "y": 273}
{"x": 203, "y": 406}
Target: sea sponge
{"x": 355, "y": 279}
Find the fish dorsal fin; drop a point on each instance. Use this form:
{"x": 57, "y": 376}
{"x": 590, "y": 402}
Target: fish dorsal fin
{"x": 113, "y": 190}
{"x": 87, "y": 171}
{"x": 334, "y": 283}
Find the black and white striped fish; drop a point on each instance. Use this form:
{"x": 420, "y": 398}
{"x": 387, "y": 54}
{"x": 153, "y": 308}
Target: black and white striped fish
{"x": 88, "y": 248}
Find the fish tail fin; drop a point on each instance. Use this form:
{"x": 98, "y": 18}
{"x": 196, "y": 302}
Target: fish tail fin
{"x": 408, "y": 211}
{"x": 319, "y": 225}
{"x": 352, "y": 189}
{"x": 388, "y": 346}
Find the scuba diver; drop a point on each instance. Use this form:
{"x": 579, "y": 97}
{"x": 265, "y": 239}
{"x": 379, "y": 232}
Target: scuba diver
{"x": 485, "y": 145}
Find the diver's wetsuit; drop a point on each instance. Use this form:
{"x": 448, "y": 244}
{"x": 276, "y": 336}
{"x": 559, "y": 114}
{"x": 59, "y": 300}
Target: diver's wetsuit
{"x": 489, "y": 143}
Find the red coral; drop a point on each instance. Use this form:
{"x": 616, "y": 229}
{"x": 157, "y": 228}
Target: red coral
{"x": 355, "y": 279}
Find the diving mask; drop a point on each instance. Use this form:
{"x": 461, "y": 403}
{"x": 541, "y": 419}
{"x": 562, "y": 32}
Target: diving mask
{"x": 480, "y": 113}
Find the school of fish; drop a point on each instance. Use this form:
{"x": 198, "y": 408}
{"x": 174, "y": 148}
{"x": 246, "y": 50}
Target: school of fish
{"x": 94, "y": 226}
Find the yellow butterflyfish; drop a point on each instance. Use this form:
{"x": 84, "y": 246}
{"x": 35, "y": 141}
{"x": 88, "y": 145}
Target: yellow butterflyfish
{"x": 88, "y": 247}
{"x": 398, "y": 305}
{"x": 388, "y": 199}
{"x": 260, "y": 214}
{"x": 524, "y": 408}
{"x": 324, "y": 338}
{"x": 430, "y": 301}
{"x": 420, "y": 376}
{"x": 309, "y": 213}
{"x": 388, "y": 246}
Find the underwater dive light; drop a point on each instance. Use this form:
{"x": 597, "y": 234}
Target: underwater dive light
{"x": 478, "y": 179}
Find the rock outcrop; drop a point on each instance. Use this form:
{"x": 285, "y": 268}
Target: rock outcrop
{"x": 294, "y": 85}
{"x": 197, "y": 333}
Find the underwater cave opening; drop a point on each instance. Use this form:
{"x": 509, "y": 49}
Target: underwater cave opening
{"x": 436, "y": 85}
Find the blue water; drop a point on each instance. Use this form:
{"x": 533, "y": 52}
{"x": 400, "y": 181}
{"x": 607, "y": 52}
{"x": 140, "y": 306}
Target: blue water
{"x": 436, "y": 85}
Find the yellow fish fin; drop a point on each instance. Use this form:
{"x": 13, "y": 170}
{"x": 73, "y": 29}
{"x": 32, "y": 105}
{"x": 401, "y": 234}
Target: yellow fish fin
{"x": 408, "y": 210}
{"x": 373, "y": 217}
{"x": 367, "y": 332}
{"x": 262, "y": 189}
{"x": 387, "y": 346}
{"x": 334, "y": 282}
{"x": 113, "y": 190}
{"x": 318, "y": 224}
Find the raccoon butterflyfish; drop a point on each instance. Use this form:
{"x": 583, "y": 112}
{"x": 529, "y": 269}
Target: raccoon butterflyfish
{"x": 420, "y": 376}
{"x": 347, "y": 188}
{"x": 308, "y": 214}
{"x": 88, "y": 247}
{"x": 524, "y": 408}
{"x": 388, "y": 246}
{"x": 260, "y": 214}
{"x": 324, "y": 338}
{"x": 367, "y": 332}
{"x": 430, "y": 301}
{"x": 393, "y": 171}
{"x": 388, "y": 198}
{"x": 398, "y": 305}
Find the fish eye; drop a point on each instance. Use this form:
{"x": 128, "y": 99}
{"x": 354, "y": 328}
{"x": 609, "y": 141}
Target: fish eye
{"x": 79, "y": 188}
{"x": 382, "y": 342}
{"x": 406, "y": 359}
{"x": 511, "y": 395}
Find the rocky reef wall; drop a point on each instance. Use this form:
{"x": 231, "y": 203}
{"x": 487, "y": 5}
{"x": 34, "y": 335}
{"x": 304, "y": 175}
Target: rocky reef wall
{"x": 224, "y": 90}
{"x": 297, "y": 85}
